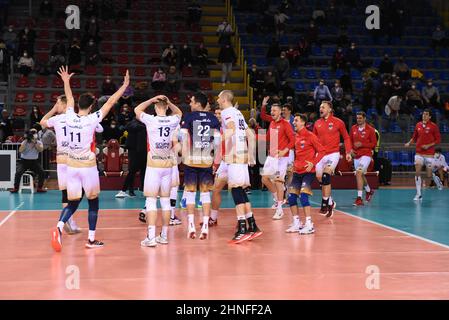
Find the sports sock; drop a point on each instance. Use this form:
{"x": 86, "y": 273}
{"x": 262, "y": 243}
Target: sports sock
{"x": 205, "y": 223}
{"x": 330, "y": 201}
{"x": 240, "y": 218}
{"x": 164, "y": 232}
{"x": 191, "y": 219}
{"x": 360, "y": 193}
{"x": 60, "y": 226}
{"x": 172, "y": 213}
{"x": 367, "y": 188}
{"x": 151, "y": 232}
{"x": 418, "y": 182}
{"x": 214, "y": 214}
{"x": 248, "y": 215}
{"x": 275, "y": 196}
{"x": 91, "y": 235}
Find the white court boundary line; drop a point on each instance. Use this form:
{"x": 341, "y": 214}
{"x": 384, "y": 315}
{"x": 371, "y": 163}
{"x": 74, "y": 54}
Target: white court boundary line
{"x": 11, "y": 214}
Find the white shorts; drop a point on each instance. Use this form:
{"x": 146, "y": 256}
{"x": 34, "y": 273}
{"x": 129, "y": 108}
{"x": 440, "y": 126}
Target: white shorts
{"x": 362, "y": 163}
{"x": 291, "y": 157}
{"x": 175, "y": 176}
{"x": 62, "y": 176}
{"x": 330, "y": 160}
{"x": 238, "y": 175}
{"x": 222, "y": 171}
{"x": 157, "y": 182}
{"x": 275, "y": 168}
{"x": 424, "y": 161}
{"x": 82, "y": 178}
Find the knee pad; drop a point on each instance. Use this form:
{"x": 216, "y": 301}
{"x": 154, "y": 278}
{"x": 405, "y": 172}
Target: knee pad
{"x": 93, "y": 204}
{"x": 150, "y": 204}
{"x": 304, "y": 199}
{"x": 205, "y": 197}
{"x": 165, "y": 204}
{"x": 326, "y": 179}
{"x": 64, "y": 196}
{"x": 190, "y": 197}
{"x": 173, "y": 203}
{"x": 292, "y": 199}
{"x": 238, "y": 195}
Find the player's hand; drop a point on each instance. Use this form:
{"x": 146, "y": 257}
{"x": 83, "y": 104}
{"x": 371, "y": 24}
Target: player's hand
{"x": 126, "y": 78}
{"x": 425, "y": 147}
{"x": 265, "y": 100}
{"x": 407, "y": 144}
{"x": 309, "y": 166}
{"x": 357, "y": 144}
{"x": 64, "y": 73}
{"x": 348, "y": 157}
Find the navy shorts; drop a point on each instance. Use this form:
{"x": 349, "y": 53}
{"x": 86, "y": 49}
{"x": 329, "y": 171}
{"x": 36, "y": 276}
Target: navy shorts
{"x": 198, "y": 179}
{"x": 302, "y": 183}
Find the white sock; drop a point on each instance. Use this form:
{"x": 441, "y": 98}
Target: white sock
{"x": 248, "y": 215}
{"x": 191, "y": 219}
{"x": 172, "y": 213}
{"x": 330, "y": 201}
{"x": 275, "y": 196}
{"x": 205, "y": 223}
{"x": 296, "y": 220}
{"x": 240, "y": 218}
{"x": 308, "y": 219}
{"x": 214, "y": 214}
{"x": 360, "y": 193}
{"x": 418, "y": 182}
{"x": 91, "y": 235}
{"x": 164, "y": 232}
{"x": 151, "y": 232}
{"x": 72, "y": 223}
{"x": 280, "y": 203}
{"x": 367, "y": 188}
{"x": 60, "y": 226}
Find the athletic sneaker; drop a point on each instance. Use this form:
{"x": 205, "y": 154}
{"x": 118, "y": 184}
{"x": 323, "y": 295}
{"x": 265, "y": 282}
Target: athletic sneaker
{"x": 183, "y": 203}
{"x": 294, "y": 227}
{"x": 275, "y": 204}
{"x": 143, "y": 216}
{"x": 253, "y": 230}
{"x": 56, "y": 241}
{"x": 212, "y": 222}
{"x": 94, "y": 244}
{"x": 68, "y": 228}
{"x": 358, "y": 202}
{"x": 191, "y": 234}
{"x": 204, "y": 234}
{"x": 175, "y": 221}
{"x": 14, "y": 190}
{"x": 132, "y": 194}
{"x": 330, "y": 209}
{"x": 417, "y": 198}
{"x": 437, "y": 181}
{"x": 199, "y": 205}
{"x": 369, "y": 196}
{"x": 307, "y": 229}
{"x": 148, "y": 242}
{"x": 241, "y": 234}
{"x": 324, "y": 210}
{"x": 278, "y": 214}
{"x": 121, "y": 194}
{"x": 160, "y": 239}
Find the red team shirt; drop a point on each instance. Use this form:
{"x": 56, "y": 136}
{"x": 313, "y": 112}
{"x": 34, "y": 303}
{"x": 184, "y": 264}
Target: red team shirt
{"x": 307, "y": 148}
{"x": 425, "y": 134}
{"x": 367, "y": 136}
{"x": 328, "y": 131}
{"x": 285, "y": 135}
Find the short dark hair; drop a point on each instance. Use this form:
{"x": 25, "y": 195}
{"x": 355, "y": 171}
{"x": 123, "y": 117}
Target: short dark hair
{"x": 428, "y": 111}
{"x": 86, "y": 100}
{"x": 288, "y": 106}
{"x": 302, "y": 116}
{"x": 276, "y": 104}
{"x": 201, "y": 98}
{"x": 329, "y": 103}
{"x": 361, "y": 113}
{"x": 438, "y": 150}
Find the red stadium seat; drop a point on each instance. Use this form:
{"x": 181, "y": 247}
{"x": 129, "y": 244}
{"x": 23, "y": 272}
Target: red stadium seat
{"x": 140, "y": 72}
{"x": 122, "y": 37}
{"x": 91, "y": 70}
{"x": 152, "y": 37}
{"x": 122, "y": 59}
{"x": 167, "y": 38}
{"x": 205, "y": 85}
{"x": 23, "y": 83}
{"x": 106, "y": 47}
{"x": 122, "y": 71}
{"x": 40, "y": 82}
{"x": 108, "y": 71}
{"x": 139, "y": 48}
{"x": 43, "y": 34}
{"x": 21, "y": 97}
{"x": 187, "y": 98}
{"x": 54, "y": 96}
{"x": 75, "y": 83}
{"x": 42, "y": 46}
{"x": 42, "y": 57}
{"x": 165, "y": 26}
{"x": 137, "y": 26}
{"x": 153, "y": 48}
{"x": 187, "y": 72}
{"x": 57, "y": 83}
{"x": 91, "y": 84}
{"x": 139, "y": 60}
{"x": 174, "y": 97}
{"x": 197, "y": 38}
{"x": 138, "y": 37}
{"x": 182, "y": 38}
{"x": 112, "y": 155}
{"x": 20, "y": 111}
{"x": 122, "y": 48}
{"x": 180, "y": 27}
{"x": 38, "y": 97}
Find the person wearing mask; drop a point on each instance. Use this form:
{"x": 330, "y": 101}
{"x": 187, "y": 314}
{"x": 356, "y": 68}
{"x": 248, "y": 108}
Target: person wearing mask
{"x": 108, "y": 87}
{"x": 26, "y": 64}
{"x": 279, "y": 22}
{"x": 5, "y": 126}
{"x": 338, "y": 59}
{"x": 224, "y": 33}
{"x": 353, "y": 57}
{"x": 125, "y": 117}
{"x": 257, "y": 79}
{"x": 112, "y": 132}
{"x": 35, "y": 116}
{"x": 170, "y": 55}
{"x": 386, "y": 66}
{"x": 92, "y": 53}
{"x": 401, "y": 69}
{"x": 92, "y": 30}
{"x": 321, "y": 94}
{"x": 159, "y": 79}
{"x": 338, "y": 95}
{"x": 227, "y": 58}
{"x": 413, "y": 98}
{"x": 29, "y": 160}
{"x": 46, "y": 9}
{"x": 4, "y": 59}
{"x": 173, "y": 79}
{"x": 271, "y": 83}
{"x": 202, "y": 55}
{"x": 282, "y": 67}
{"x": 185, "y": 56}
{"x": 430, "y": 94}
{"x": 57, "y": 55}
{"x": 438, "y": 38}
{"x": 10, "y": 38}
{"x": 74, "y": 53}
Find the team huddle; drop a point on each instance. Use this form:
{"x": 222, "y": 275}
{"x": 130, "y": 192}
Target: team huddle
{"x": 216, "y": 150}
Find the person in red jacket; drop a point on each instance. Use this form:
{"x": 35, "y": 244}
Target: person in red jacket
{"x": 308, "y": 152}
{"x": 363, "y": 139}
{"x": 427, "y": 136}
{"x": 329, "y": 129}
{"x": 281, "y": 140}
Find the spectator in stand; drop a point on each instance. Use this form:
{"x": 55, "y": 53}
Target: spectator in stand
{"x": 57, "y": 56}
{"x": 74, "y": 53}
{"x": 282, "y": 67}
{"x": 202, "y": 54}
{"x": 397, "y": 85}
{"x": 159, "y": 79}
{"x": 386, "y": 66}
{"x": 292, "y": 56}
{"x": 431, "y": 95}
{"x": 185, "y": 56}
{"x": 91, "y": 9}
{"x": 401, "y": 69}
{"x": 170, "y": 55}
{"x": 285, "y": 90}
{"x": 392, "y": 109}
{"x": 92, "y": 53}
{"x": 141, "y": 92}
{"x": 287, "y": 111}
{"x": 227, "y": 58}
{"x": 125, "y": 116}
{"x": 26, "y": 38}
{"x": 318, "y": 16}
{"x": 279, "y": 22}
{"x": 338, "y": 96}
{"x": 108, "y": 87}
{"x": 224, "y": 33}
{"x": 312, "y": 34}
{"x": 368, "y": 92}
{"x": 173, "y": 79}
{"x": 91, "y": 30}
{"x": 438, "y": 38}
{"x": 257, "y": 79}
{"x": 194, "y": 13}
{"x": 111, "y": 132}
{"x": 35, "y": 116}
{"x": 4, "y": 61}
{"x": 321, "y": 93}
{"x": 46, "y": 9}
{"x": 413, "y": 97}
{"x": 274, "y": 51}
{"x": 353, "y": 57}
{"x": 334, "y": 15}
{"x": 10, "y": 38}
{"x": 5, "y": 126}
{"x": 271, "y": 83}
{"x": 303, "y": 47}
{"x": 26, "y": 64}
{"x": 108, "y": 10}
{"x": 338, "y": 60}
{"x": 309, "y": 106}
{"x": 346, "y": 82}
{"x": 384, "y": 93}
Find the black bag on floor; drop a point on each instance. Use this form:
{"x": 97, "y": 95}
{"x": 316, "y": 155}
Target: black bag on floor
{"x": 385, "y": 170}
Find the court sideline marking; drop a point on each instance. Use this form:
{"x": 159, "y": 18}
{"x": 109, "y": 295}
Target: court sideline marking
{"x": 11, "y": 213}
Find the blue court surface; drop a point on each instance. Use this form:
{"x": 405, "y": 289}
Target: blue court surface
{"x": 391, "y": 208}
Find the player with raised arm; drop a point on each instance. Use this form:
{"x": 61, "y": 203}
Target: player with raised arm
{"x": 82, "y": 172}
{"x": 329, "y": 129}
{"x": 427, "y": 136}
{"x": 162, "y": 143}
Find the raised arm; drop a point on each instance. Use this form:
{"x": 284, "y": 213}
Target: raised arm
{"x": 49, "y": 114}
{"x": 174, "y": 108}
{"x": 144, "y": 105}
{"x": 65, "y": 76}
{"x": 115, "y": 97}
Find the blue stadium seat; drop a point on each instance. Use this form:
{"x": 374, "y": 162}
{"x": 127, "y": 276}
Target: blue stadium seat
{"x": 311, "y": 74}
{"x": 358, "y": 85}
{"x": 316, "y": 51}
{"x": 371, "y": 112}
{"x": 262, "y": 62}
{"x": 339, "y": 73}
{"x": 396, "y": 161}
{"x": 406, "y": 158}
{"x": 294, "y": 74}
{"x": 444, "y": 128}
{"x": 429, "y": 75}
{"x": 395, "y": 128}
{"x": 356, "y": 75}
{"x": 259, "y": 51}
{"x": 444, "y": 75}
{"x": 329, "y": 52}
{"x": 325, "y": 75}
{"x": 299, "y": 87}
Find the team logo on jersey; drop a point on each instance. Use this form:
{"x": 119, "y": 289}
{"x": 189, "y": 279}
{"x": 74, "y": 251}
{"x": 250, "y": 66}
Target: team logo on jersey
{"x": 331, "y": 126}
{"x": 302, "y": 144}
